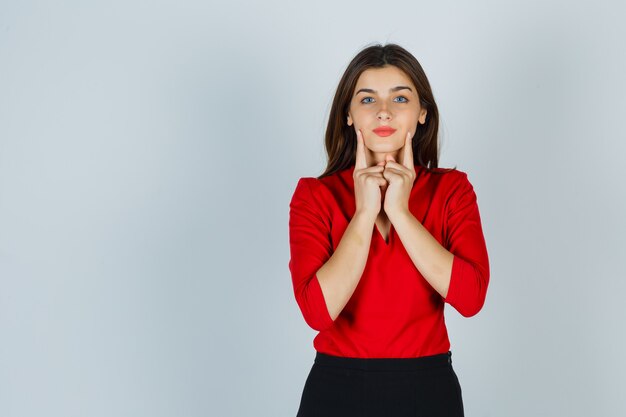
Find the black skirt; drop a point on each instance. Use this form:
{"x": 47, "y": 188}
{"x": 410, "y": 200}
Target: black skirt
{"x": 391, "y": 387}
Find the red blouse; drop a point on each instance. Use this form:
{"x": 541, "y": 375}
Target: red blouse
{"x": 394, "y": 311}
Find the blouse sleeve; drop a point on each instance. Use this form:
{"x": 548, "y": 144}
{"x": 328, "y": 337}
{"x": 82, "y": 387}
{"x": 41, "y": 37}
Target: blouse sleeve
{"x": 310, "y": 246}
{"x": 465, "y": 240}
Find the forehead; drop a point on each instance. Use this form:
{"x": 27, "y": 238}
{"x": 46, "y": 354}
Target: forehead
{"x": 382, "y": 79}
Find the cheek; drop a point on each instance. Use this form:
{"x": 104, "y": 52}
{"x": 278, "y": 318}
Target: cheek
{"x": 362, "y": 118}
{"x": 410, "y": 122}
{"x": 410, "y": 114}
{"x": 363, "y": 112}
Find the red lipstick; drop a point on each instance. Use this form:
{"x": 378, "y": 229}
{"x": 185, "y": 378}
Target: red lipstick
{"x": 384, "y": 131}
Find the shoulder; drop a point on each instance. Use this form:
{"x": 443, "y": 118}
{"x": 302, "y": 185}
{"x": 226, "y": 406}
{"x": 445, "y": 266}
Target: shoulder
{"x": 307, "y": 188}
{"x": 447, "y": 172}
{"x": 447, "y": 180}
{"x": 456, "y": 179}
{"x": 310, "y": 184}
{"x": 457, "y": 190}
{"x": 327, "y": 186}
{"x": 449, "y": 186}
{"x": 303, "y": 188}
{"x": 326, "y": 195}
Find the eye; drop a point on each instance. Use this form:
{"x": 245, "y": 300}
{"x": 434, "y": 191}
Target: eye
{"x": 405, "y": 100}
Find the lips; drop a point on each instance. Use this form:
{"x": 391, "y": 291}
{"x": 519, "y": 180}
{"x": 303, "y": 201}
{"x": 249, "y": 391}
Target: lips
{"x": 384, "y": 131}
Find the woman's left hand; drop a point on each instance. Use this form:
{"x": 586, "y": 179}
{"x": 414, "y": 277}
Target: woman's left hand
{"x": 400, "y": 177}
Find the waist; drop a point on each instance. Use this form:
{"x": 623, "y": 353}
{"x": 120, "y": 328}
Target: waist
{"x": 385, "y": 364}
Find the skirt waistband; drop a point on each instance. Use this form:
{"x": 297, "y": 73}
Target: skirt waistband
{"x": 385, "y": 364}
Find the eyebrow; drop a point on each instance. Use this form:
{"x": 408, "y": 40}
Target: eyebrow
{"x": 369, "y": 90}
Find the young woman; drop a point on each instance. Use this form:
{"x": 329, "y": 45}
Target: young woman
{"x": 379, "y": 243}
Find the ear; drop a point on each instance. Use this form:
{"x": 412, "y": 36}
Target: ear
{"x": 422, "y": 117}
{"x": 349, "y": 120}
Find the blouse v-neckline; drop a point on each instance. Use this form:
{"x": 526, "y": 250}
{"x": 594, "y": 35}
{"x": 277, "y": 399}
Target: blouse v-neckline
{"x": 376, "y": 231}
{"x": 387, "y": 243}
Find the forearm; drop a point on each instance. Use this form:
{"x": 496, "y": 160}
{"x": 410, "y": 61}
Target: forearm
{"x": 340, "y": 275}
{"x": 431, "y": 259}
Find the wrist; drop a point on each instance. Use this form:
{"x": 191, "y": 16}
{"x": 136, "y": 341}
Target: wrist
{"x": 399, "y": 215}
{"x": 366, "y": 216}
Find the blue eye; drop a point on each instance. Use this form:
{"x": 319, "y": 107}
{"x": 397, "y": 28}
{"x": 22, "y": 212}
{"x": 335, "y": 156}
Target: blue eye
{"x": 405, "y": 100}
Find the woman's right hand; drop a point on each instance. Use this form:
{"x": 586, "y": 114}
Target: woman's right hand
{"x": 367, "y": 182}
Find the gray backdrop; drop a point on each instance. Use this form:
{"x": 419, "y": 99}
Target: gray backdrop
{"x": 149, "y": 151}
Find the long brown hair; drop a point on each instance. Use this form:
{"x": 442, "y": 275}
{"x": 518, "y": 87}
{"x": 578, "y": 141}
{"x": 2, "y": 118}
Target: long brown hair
{"x": 341, "y": 138}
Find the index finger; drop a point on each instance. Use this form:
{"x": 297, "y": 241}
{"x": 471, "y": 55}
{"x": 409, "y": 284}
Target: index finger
{"x": 361, "y": 161}
{"x": 407, "y": 155}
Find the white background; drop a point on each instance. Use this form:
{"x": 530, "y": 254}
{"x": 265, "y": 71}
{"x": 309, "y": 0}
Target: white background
{"x": 149, "y": 150}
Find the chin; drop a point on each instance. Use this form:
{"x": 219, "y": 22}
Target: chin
{"x": 380, "y": 146}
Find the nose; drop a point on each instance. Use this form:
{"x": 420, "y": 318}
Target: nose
{"x": 383, "y": 115}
